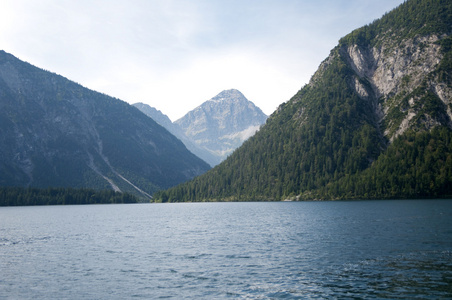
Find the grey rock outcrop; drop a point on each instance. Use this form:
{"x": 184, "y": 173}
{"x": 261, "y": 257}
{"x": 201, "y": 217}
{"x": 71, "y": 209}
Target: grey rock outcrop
{"x": 216, "y": 128}
{"x": 222, "y": 124}
{"x": 395, "y": 78}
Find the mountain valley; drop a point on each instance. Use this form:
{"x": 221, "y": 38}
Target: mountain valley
{"x": 373, "y": 122}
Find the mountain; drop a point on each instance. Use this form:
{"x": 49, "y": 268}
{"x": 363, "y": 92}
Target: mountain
{"x": 56, "y": 133}
{"x": 164, "y": 121}
{"x": 375, "y": 121}
{"x": 157, "y": 116}
{"x": 216, "y": 128}
{"x": 222, "y": 124}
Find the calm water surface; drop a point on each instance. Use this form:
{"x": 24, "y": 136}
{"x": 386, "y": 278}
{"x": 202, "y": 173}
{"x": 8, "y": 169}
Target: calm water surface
{"x": 287, "y": 250}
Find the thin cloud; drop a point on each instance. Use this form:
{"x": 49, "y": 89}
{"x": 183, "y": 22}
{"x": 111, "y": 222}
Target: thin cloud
{"x": 176, "y": 54}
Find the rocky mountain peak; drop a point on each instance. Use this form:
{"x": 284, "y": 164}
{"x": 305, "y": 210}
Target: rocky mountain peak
{"x": 229, "y": 95}
{"x": 216, "y": 128}
{"x": 222, "y": 123}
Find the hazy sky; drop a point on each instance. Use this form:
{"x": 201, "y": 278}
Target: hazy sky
{"x": 175, "y": 54}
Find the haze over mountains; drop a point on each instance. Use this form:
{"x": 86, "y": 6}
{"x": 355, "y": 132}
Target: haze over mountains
{"x": 54, "y": 132}
{"x": 375, "y": 121}
{"x": 216, "y": 128}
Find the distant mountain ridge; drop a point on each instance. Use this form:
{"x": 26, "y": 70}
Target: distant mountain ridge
{"x": 217, "y": 127}
{"x": 156, "y": 115}
{"x": 164, "y": 121}
{"x": 56, "y": 133}
{"x": 223, "y": 123}
{"x": 374, "y": 122}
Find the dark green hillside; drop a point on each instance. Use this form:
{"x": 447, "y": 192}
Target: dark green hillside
{"x": 374, "y": 122}
{"x": 56, "y": 133}
{"x": 416, "y": 165}
{"x": 297, "y": 150}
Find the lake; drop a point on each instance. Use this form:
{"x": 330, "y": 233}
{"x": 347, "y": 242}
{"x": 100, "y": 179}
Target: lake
{"x": 280, "y": 250}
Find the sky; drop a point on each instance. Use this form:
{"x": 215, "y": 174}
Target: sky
{"x": 176, "y": 54}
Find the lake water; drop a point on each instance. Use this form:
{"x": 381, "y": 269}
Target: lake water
{"x": 284, "y": 250}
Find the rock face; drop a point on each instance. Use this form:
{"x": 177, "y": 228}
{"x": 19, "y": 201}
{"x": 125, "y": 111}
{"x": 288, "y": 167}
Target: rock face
{"x": 222, "y": 124}
{"x": 396, "y": 79}
{"x": 54, "y": 132}
{"x": 216, "y": 128}
{"x": 388, "y": 76}
{"x": 374, "y": 122}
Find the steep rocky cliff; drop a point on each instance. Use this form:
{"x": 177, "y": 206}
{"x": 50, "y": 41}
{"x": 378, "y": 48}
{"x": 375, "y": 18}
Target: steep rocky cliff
{"x": 373, "y": 122}
{"x": 395, "y": 80}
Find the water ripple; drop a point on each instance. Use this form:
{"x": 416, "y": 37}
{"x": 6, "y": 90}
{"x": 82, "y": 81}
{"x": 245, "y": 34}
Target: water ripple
{"x": 313, "y": 250}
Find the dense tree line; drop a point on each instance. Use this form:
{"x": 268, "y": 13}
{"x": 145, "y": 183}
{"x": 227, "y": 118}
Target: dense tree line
{"x": 18, "y": 196}
{"x": 411, "y": 18}
{"x": 309, "y": 142}
{"x": 416, "y": 165}
{"x": 327, "y": 143}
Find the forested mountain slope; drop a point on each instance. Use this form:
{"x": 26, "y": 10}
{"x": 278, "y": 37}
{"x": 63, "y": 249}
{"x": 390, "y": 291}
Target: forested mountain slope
{"x": 374, "y": 122}
{"x": 56, "y": 133}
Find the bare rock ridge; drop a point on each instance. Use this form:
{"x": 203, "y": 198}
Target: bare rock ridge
{"x": 216, "y": 128}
